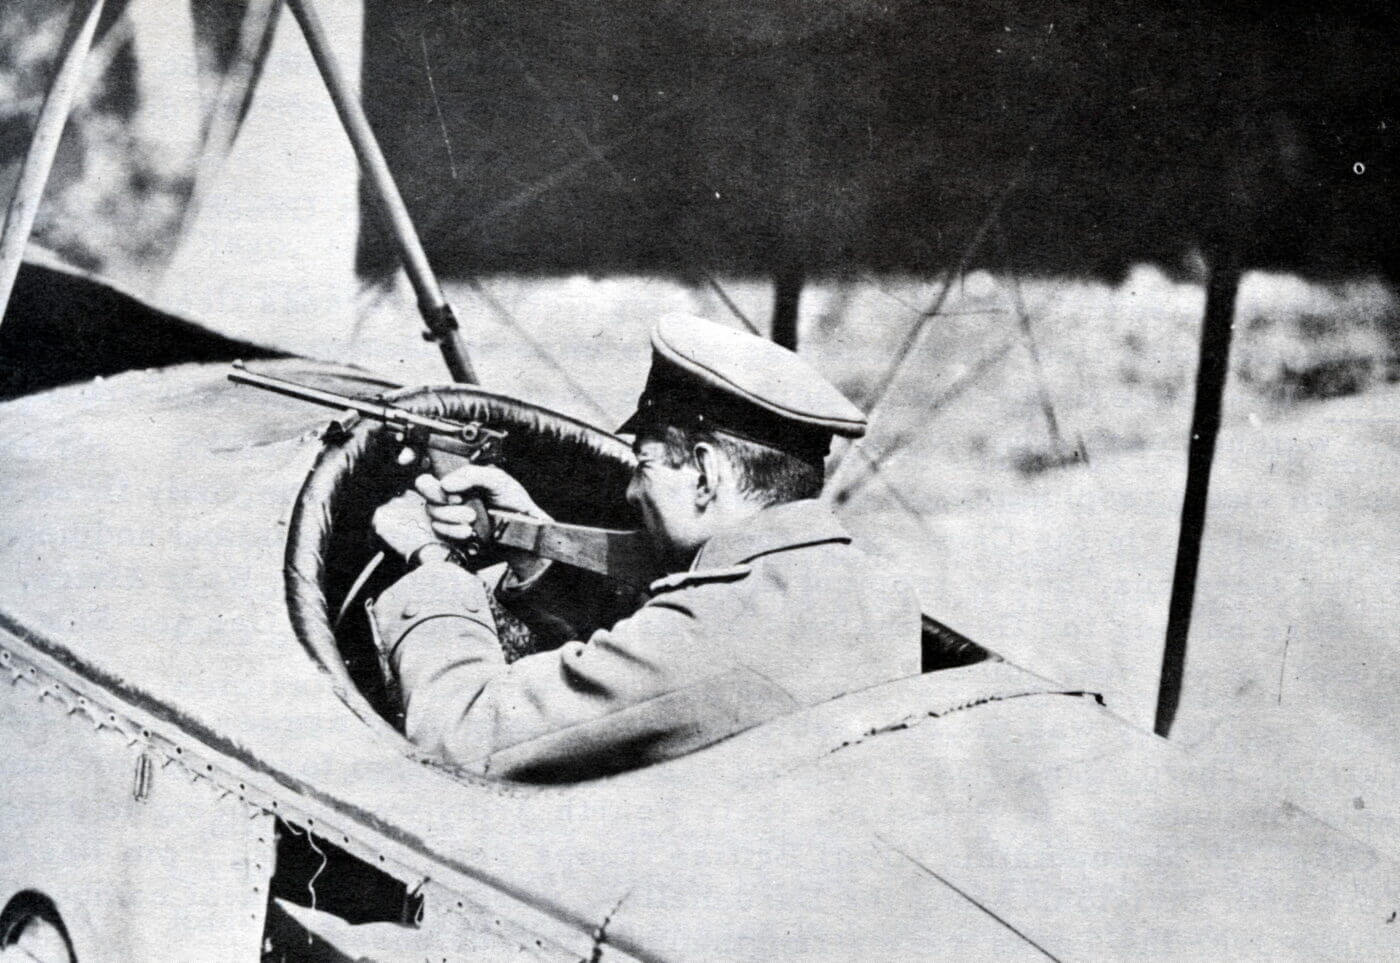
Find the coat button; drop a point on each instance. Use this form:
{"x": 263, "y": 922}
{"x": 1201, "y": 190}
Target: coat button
{"x": 410, "y": 610}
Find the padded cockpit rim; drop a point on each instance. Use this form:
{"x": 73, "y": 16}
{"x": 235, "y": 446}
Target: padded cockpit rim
{"x": 313, "y": 515}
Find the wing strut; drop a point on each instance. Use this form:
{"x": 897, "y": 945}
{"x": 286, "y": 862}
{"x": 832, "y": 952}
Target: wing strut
{"x": 1211, "y": 372}
{"x": 48, "y": 130}
{"x": 437, "y": 314}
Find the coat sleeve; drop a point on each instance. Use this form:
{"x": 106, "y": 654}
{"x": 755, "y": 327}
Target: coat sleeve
{"x": 645, "y": 689}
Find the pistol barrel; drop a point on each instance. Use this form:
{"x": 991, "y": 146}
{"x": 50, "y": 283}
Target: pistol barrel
{"x": 379, "y": 411}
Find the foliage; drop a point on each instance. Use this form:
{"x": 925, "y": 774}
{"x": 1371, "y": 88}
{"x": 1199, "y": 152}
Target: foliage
{"x": 746, "y": 136}
{"x": 112, "y": 202}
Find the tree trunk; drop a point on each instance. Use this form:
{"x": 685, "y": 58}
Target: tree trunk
{"x": 787, "y": 293}
{"x": 1211, "y": 374}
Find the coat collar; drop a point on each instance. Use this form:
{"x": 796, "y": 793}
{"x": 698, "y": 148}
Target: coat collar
{"x": 779, "y": 527}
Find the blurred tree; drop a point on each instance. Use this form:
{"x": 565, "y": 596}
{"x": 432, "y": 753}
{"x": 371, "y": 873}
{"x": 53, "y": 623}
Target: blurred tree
{"x": 166, "y": 82}
{"x": 766, "y": 137}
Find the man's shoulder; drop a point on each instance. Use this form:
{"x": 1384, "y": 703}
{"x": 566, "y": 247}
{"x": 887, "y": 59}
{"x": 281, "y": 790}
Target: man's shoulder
{"x": 822, "y": 574}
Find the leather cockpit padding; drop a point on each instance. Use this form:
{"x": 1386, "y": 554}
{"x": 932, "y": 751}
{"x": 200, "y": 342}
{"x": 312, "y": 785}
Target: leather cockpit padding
{"x": 575, "y": 472}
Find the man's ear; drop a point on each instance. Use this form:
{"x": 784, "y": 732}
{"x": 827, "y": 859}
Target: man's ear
{"x": 710, "y": 468}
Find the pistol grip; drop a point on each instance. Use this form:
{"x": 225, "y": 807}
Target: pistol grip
{"x": 481, "y": 529}
{"x": 441, "y": 463}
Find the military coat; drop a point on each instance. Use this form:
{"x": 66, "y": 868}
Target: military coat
{"x": 778, "y": 614}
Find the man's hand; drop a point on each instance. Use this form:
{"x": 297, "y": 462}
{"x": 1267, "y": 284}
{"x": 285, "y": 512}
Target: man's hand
{"x": 452, "y": 520}
{"x": 402, "y": 523}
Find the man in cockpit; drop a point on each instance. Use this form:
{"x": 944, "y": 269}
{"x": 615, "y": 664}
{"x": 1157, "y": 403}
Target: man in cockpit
{"x": 768, "y": 607}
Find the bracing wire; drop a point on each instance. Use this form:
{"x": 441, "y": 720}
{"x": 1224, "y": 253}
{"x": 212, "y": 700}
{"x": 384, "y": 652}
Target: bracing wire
{"x": 540, "y": 349}
{"x": 1047, "y": 401}
{"x": 874, "y": 462}
{"x": 915, "y": 333}
{"x": 728, "y": 302}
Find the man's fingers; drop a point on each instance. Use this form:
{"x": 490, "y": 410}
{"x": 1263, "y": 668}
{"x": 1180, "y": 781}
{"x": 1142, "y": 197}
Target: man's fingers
{"x": 402, "y": 524}
{"x": 407, "y": 498}
{"x": 468, "y": 477}
{"x": 431, "y": 489}
{"x": 407, "y": 456}
{"x": 493, "y": 486}
{"x": 453, "y": 531}
{"x": 452, "y": 514}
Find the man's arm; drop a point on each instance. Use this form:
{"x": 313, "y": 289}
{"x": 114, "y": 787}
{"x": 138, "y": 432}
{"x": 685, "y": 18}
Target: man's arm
{"x": 557, "y": 602}
{"x": 651, "y": 687}
{"x": 645, "y": 690}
